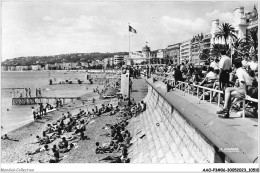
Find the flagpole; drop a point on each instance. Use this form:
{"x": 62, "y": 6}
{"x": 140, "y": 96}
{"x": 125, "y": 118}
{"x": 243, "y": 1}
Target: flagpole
{"x": 129, "y": 42}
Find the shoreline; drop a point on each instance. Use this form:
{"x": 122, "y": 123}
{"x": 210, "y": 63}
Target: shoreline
{"x": 12, "y": 151}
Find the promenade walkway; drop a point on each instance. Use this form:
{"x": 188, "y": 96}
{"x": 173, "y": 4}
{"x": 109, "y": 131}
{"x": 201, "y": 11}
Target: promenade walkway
{"x": 190, "y": 132}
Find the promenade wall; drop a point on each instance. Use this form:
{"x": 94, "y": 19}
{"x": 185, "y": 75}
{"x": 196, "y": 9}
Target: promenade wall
{"x": 175, "y": 130}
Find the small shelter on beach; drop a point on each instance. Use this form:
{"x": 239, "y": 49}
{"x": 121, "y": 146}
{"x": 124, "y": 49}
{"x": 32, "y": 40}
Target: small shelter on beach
{"x": 111, "y": 92}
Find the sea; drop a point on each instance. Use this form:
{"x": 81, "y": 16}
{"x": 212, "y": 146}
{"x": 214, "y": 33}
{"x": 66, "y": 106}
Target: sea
{"x": 15, "y": 116}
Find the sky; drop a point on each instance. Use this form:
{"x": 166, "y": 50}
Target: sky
{"x": 51, "y": 28}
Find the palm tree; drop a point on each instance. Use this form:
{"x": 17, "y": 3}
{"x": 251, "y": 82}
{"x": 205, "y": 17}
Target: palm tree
{"x": 226, "y": 31}
{"x": 216, "y": 49}
{"x": 252, "y": 38}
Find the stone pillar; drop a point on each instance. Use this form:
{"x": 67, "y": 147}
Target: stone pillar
{"x": 125, "y": 85}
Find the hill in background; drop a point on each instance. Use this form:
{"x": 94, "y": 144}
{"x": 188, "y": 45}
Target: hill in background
{"x": 73, "y": 57}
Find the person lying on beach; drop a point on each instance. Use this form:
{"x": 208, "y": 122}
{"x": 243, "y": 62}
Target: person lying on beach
{"x": 118, "y": 159}
{"x": 78, "y": 137}
{"x": 38, "y": 140}
{"x": 5, "y": 137}
{"x": 38, "y": 150}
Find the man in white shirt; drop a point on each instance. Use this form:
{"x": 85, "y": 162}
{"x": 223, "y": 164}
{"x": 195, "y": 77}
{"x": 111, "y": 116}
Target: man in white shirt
{"x": 224, "y": 69}
{"x": 240, "y": 92}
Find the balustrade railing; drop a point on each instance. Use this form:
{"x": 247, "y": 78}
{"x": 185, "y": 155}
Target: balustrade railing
{"x": 194, "y": 89}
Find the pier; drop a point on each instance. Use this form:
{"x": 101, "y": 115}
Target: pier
{"x": 37, "y": 100}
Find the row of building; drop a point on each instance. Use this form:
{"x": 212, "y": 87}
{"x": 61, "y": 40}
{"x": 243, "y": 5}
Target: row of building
{"x": 112, "y": 61}
{"x": 191, "y": 49}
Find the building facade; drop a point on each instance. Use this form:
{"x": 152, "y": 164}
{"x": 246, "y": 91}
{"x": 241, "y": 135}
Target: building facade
{"x": 146, "y": 51}
{"x": 185, "y": 51}
{"x": 118, "y": 59}
{"x": 199, "y": 44}
{"x": 173, "y": 53}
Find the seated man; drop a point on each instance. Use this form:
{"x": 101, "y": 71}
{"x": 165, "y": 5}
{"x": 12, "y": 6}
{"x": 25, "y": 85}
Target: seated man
{"x": 98, "y": 149}
{"x": 49, "y": 129}
{"x": 56, "y": 156}
{"x": 239, "y": 93}
{"x": 63, "y": 145}
{"x": 81, "y": 127}
{"x": 45, "y": 139}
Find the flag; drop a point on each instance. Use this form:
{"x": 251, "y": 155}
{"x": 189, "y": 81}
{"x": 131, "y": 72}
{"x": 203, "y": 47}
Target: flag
{"x": 132, "y": 29}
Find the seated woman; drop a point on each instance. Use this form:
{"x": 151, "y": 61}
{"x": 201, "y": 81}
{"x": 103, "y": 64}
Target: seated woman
{"x": 210, "y": 78}
{"x": 38, "y": 150}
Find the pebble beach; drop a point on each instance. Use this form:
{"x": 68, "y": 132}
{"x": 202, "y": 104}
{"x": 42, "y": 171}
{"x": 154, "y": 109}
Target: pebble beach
{"x": 13, "y": 151}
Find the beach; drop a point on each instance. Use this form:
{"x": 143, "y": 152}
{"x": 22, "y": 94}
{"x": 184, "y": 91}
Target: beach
{"x": 15, "y": 116}
{"x": 14, "y": 151}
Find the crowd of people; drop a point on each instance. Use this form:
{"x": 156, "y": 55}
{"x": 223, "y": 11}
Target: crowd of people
{"x": 120, "y": 136}
{"x": 69, "y": 129}
{"x": 236, "y": 79}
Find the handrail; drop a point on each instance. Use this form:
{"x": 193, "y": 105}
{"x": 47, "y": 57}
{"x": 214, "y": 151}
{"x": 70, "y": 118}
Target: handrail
{"x": 180, "y": 84}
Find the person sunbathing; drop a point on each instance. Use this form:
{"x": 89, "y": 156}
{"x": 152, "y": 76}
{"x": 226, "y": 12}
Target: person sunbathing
{"x": 78, "y": 137}
{"x": 118, "y": 159}
{"x": 38, "y": 150}
{"x": 5, "y": 137}
{"x": 38, "y": 140}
